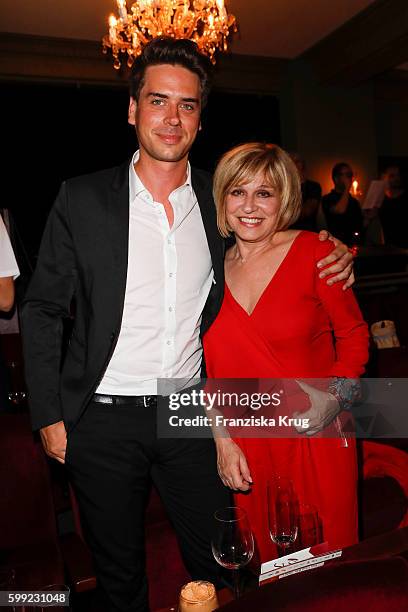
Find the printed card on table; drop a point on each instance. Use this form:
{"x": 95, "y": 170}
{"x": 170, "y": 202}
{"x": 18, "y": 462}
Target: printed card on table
{"x": 299, "y": 561}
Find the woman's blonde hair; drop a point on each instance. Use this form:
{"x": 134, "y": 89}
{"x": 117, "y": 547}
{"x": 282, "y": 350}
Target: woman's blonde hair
{"x": 241, "y": 164}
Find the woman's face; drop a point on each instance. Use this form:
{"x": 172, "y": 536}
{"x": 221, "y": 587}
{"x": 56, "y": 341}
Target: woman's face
{"x": 252, "y": 209}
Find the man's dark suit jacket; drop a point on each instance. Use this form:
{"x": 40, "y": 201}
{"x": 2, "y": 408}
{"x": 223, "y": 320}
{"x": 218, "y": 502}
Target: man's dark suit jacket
{"x": 84, "y": 255}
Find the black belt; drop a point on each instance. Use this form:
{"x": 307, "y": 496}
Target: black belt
{"x": 118, "y": 400}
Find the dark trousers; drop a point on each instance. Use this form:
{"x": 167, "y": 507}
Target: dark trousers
{"x": 113, "y": 455}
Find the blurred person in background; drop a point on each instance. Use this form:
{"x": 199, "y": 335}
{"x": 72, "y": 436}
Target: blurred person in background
{"x": 8, "y": 270}
{"x": 394, "y": 210}
{"x": 342, "y": 212}
{"x": 311, "y": 198}
{"x": 8, "y": 273}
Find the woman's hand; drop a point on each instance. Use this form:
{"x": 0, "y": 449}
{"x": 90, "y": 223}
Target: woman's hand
{"x": 232, "y": 465}
{"x": 323, "y": 410}
{"x": 342, "y": 261}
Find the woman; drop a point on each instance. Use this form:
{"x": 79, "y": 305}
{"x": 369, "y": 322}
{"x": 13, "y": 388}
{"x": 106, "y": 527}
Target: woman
{"x": 280, "y": 320}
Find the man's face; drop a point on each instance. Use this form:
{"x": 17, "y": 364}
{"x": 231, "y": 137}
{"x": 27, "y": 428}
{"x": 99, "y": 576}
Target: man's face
{"x": 344, "y": 178}
{"x": 167, "y": 114}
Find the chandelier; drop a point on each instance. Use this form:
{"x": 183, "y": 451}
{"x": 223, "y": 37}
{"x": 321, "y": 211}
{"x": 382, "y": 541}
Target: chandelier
{"x": 206, "y": 22}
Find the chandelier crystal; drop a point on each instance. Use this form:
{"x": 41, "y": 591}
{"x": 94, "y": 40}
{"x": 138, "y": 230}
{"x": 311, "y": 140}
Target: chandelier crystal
{"x": 206, "y": 22}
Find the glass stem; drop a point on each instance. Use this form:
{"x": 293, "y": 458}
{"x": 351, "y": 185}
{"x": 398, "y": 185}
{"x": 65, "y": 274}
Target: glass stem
{"x": 237, "y": 591}
{"x": 283, "y": 550}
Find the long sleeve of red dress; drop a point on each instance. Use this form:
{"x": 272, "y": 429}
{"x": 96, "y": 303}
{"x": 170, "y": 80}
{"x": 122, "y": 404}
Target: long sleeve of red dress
{"x": 349, "y": 329}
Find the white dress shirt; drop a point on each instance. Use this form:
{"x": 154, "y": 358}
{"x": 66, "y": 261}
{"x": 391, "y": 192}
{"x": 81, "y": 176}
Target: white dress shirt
{"x": 169, "y": 278}
{"x": 8, "y": 264}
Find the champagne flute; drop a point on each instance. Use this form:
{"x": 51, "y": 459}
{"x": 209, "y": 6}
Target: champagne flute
{"x": 282, "y": 513}
{"x": 309, "y": 532}
{"x": 233, "y": 543}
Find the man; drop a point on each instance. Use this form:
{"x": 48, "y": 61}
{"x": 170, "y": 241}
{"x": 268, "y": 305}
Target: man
{"x": 311, "y": 198}
{"x": 342, "y": 211}
{"x": 139, "y": 249}
{"x": 394, "y": 210}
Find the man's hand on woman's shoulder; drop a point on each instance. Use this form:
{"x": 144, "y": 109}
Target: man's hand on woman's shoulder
{"x": 339, "y": 262}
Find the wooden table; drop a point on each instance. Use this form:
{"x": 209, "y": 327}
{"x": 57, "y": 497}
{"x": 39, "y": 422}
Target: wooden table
{"x": 384, "y": 546}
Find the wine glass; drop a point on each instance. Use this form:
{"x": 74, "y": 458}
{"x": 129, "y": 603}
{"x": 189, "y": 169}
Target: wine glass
{"x": 282, "y": 513}
{"x": 233, "y": 543}
{"x": 17, "y": 395}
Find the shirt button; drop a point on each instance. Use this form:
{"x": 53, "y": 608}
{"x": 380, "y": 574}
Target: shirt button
{"x": 170, "y": 309}
{"x": 171, "y": 275}
{"x": 168, "y": 342}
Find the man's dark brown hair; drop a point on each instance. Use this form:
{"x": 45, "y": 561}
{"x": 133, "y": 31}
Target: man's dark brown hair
{"x": 175, "y": 52}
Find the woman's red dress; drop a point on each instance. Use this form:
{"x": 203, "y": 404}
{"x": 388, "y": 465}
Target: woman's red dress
{"x": 290, "y": 335}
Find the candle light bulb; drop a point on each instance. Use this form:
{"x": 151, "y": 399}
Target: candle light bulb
{"x": 122, "y": 9}
{"x": 112, "y": 29}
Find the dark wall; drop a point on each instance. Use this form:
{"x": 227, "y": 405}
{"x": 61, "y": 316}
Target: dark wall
{"x": 328, "y": 123}
{"x": 392, "y": 127}
{"x": 394, "y": 160}
{"x": 54, "y": 132}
